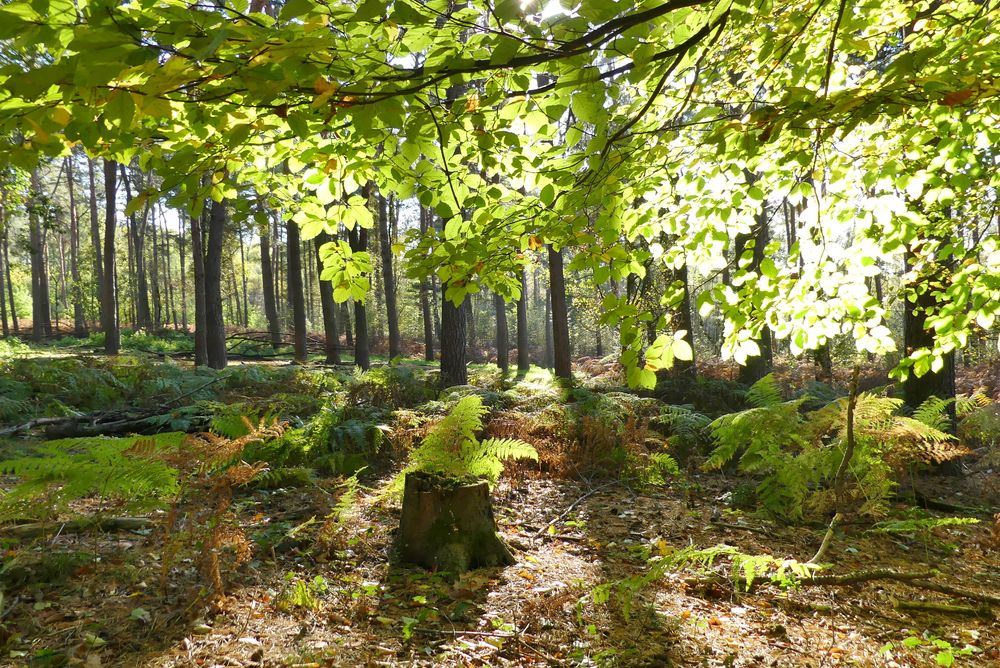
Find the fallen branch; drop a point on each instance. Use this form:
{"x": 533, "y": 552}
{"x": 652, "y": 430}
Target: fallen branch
{"x": 573, "y": 505}
{"x": 958, "y": 591}
{"x": 106, "y": 524}
{"x": 868, "y": 576}
{"x": 942, "y": 608}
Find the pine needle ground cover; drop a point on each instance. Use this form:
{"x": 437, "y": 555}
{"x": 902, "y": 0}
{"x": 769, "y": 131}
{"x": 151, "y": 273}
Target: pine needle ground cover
{"x": 630, "y": 550}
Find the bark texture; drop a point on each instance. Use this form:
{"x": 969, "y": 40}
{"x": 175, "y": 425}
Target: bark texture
{"x": 448, "y": 524}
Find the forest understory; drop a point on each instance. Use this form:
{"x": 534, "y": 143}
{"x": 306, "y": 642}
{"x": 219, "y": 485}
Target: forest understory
{"x": 631, "y": 548}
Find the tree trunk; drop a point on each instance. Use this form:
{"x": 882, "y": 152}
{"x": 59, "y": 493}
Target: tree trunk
{"x": 453, "y": 348}
{"x": 425, "y": 299}
{"x": 345, "y": 313}
{"x": 200, "y": 313}
{"x": 39, "y": 284}
{"x": 359, "y": 243}
{"x": 684, "y": 322}
{"x": 10, "y": 285}
{"x": 95, "y": 234}
{"x": 295, "y": 293}
{"x": 560, "y": 319}
{"x": 79, "y": 322}
{"x": 143, "y": 319}
{"x": 183, "y": 277}
{"x": 243, "y": 274}
{"x": 331, "y": 330}
{"x": 388, "y": 280}
{"x": 4, "y": 277}
{"x": 267, "y": 278}
{"x": 503, "y": 346}
{"x": 109, "y": 293}
{"x": 917, "y": 335}
{"x": 547, "y": 361}
{"x": 523, "y": 359}
{"x": 447, "y": 524}
{"x": 215, "y": 327}
{"x": 759, "y": 366}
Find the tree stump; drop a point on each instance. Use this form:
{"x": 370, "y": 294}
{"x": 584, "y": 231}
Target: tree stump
{"x": 447, "y": 524}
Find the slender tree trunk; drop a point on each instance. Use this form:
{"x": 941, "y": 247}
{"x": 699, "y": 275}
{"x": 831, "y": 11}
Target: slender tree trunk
{"x": 916, "y": 334}
{"x": 425, "y": 301}
{"x": 200, "y": 312}
{"x": 10, "y": 285}
{"x": 308, "y": 283}
{"x": 243, "y": 274}
{"x": 267, "y": 278}
{"x": 95, "y": 234}
{"x": 759, "y": 366}
{"x": 40, "y": 323}
{"x": 4, "y": 327}
{"x": 181, "y": 255}
{"x": 215, "y": 327}
{"x": 684, "y": 322}
{"x": 359, "y": 243}
{"x": 523, "y": 358}
{"x": 503, "y": 345}
{"x": 388, "y": 279}
{"x": 295, "y": 293}
{"x": 560, "y": 319}
{"x": 547, "y": 362}
{"x": 79, "y": 321}
{"x": 331, "y": 331}
{"x": 109, "y": 294}
{"x": 345, "y": 314}
{"x": 154, "y": 272}
{"x": 143, "y": 318}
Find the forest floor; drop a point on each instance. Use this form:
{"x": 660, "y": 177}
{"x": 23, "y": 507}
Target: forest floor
{"x": 95, "y": 599}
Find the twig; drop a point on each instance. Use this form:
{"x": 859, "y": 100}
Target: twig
{"x": 107, "y": 524}
{"x": 826, "y": 540}
{"x": 573, "y": 505}
{"x": 957, "y": 591}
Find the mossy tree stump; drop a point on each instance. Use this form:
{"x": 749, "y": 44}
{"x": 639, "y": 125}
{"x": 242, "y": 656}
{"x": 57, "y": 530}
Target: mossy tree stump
{"x": 448, "y": 524}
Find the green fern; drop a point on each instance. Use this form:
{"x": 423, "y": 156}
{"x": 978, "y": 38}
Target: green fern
{"x": 933, "y": 412}
{"x": 795, "y": 456}
{"x": 765, "y": 393}
{"x": 453, "y": 449}
{"x": 63, "y": 471}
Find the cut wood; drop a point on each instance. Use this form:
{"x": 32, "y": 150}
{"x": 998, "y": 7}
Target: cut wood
{"x": 447, "y": 524}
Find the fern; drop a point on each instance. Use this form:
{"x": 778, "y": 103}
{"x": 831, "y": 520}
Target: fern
{"x": 933, "y": 412}
{"x": 765, "y": 393}
{"x": 63, "y": 471}
{"x": 452, "y": 447}
{"x": 967, "y": 404}
{"x": 796, "y": 455}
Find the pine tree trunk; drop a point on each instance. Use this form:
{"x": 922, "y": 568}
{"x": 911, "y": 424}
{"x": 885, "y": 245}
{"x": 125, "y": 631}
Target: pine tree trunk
{"x": 79, "y": 322}
{"x": 331, "y": 329}
{"x": 10, "y": 285}
{"x": 243, "y": 274}
{"x": 267, "y": 278}
{"x": 454, "y": 369}
{"x": 759, "y": 366}
{"x": 143, "y": 318}
{"x": 425, "y": 300}
{"x": 198, "y": 266}
{"x": 183, "y": 278}
{"x": 109, "y": 293}
{"x": 523, "y": 359}
{"x": 388, "y": 280}
{"x": 295, "y": 293}
{"x": 4, "y": 327}
{"x": 359, "y": 243}
{"x": 95, "y": 234}
{"x": 215, "y": 327}
{"x": 39, "y": 284}
{"x": 448, "y": 524}
{"x": 503, "y": 345}
{"x": 560, "y": 319}
{"x": 917, "y": 335}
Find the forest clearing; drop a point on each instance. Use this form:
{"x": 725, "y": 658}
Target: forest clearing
{"x": 499, "y": 333}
